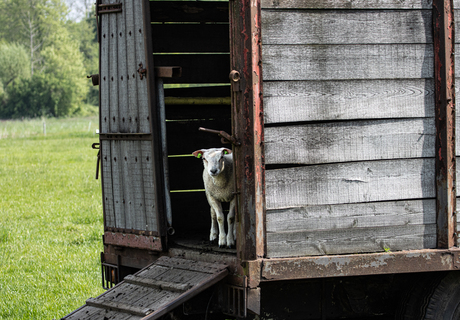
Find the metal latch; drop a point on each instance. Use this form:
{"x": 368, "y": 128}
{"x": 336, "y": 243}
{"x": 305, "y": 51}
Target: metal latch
{"x": 96, "y": 146}
{"x": 225, "y": 137}
{"x": 235, "y": 80}
{"x": 142, "y": 72}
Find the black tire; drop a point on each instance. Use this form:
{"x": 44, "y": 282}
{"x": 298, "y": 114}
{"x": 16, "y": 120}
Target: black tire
{"x": 414, "y": 301}
{"x": 444, "y": 303}
{"x": 434, "y": 296}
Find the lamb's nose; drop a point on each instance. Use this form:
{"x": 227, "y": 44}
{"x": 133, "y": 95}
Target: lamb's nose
{"x": 213, "y": 171}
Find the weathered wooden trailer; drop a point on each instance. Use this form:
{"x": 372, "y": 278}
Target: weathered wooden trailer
{"x": 341, "y": 115}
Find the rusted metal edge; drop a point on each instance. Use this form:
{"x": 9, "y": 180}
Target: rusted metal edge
{"x": 443, "y": 23}
{"x": 109, "y": 8}
{"x": 132, "y": 241}
{"x": 132, "y": 231}
{"x": 360, "y": 264}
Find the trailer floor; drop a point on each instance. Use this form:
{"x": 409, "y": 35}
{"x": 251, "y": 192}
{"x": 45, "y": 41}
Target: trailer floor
{"x": 197, "y": 242}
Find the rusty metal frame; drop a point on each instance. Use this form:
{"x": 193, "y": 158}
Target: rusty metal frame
{"x": 131, "y": 231}
{"x": 360, "y": 264}
{"x": 248, "y": 127}
{"x": 109, "y": 8}
{"x": 110, "y": 272}
{"x": 139, "y": 241}
{"x": 444, "y": 46}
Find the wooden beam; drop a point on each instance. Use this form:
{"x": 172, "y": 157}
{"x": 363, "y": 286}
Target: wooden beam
{"x": 248, "y": 126}
{"x": 443, "y": 22}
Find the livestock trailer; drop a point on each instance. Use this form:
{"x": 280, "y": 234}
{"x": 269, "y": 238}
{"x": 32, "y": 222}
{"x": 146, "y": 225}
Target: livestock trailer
{"x": 341, "y": 117}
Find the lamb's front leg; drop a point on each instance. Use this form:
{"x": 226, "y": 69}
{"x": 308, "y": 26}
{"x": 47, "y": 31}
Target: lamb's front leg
{"x": 214, "y": 231}
{"x": 216, "y": 205}
{"x": 231, "y": 236}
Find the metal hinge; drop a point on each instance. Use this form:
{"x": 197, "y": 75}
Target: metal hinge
{"x": 142, "y": 71}
{"x": 94, "y": 79}
{"x": 102, "y": 9}
{"x": 109, "y": 8}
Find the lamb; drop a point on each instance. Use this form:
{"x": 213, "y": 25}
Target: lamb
{"x": 218, "y": 182}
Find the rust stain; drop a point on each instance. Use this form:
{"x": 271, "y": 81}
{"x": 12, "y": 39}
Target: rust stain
{"x": 360, "y": 264}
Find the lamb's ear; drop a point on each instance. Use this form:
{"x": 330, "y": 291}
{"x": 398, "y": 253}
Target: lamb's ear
{"x": 198, "y": 153}
{"x": 226, "y": 151}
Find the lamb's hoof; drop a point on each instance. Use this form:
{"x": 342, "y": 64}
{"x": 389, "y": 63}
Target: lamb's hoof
{"x": 231, "y": 247}
{"x": 212, "y": 242}
{"x": 222, "y": 246}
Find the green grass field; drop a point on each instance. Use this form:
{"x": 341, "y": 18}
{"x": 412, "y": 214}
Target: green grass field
{"x": 50, "y": 217}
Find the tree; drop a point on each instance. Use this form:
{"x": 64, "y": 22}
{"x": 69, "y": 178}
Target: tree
{"x": 30, "y": 23}
{"x": 14, "y": 63}
{"x": 65, "y": 71}
{"x": 52, "y": 58}
{"x": 85, "y": 33}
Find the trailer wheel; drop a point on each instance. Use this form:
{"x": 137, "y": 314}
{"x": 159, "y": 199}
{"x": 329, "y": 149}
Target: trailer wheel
{"x": 434, "y": 296}
{"x": 444, "y": 303}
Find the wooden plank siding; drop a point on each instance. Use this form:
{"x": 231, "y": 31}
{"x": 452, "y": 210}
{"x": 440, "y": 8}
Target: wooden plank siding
{"x": 127, "y": 170}
{"x": 345, "y": 141}
{"x": 347, "y": 4}
{"x": 310, "y": 100}
{"x": 349, "y": 126}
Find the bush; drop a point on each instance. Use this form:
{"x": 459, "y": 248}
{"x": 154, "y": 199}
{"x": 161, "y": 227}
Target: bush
{"x": 35, "y": 97}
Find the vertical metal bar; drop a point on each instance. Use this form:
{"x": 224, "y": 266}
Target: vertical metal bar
{"x": 99, "y": 26}
{"x": 102, "y": 270}
{"x": 443, "y": 22}
{"x": 248, "y": 128}
{"x": 154, "y": 121}
{"x": 164, "y": 148}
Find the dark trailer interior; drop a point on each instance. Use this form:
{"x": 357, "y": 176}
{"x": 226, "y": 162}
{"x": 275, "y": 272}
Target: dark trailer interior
{"x": 194, "y": 36}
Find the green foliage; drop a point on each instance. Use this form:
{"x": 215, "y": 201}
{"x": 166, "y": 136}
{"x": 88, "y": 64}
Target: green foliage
{"x": 65, "y": 70}
{"x": 85, "y": 33}
{"x": 42, "y": 95}
{"x": 14, "y": 63}
{"x": 50, "y": 218}
{"x": 44, "y": 60}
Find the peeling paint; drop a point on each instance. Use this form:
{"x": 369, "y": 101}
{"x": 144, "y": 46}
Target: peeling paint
{"x": 443, "y": 22}
{"x": 360, "y": 264}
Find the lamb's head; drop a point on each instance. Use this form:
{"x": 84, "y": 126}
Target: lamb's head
{"x": 213, "y": 159}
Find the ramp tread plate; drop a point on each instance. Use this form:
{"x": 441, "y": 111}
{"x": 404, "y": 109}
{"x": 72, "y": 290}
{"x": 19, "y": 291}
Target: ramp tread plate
{"x": 153, "y": 291}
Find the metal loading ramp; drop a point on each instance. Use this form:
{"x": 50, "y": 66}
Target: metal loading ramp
{"x": 153, "y": 291}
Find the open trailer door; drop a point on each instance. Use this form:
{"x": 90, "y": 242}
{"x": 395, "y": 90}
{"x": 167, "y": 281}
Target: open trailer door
{"x": 129, "y": 134}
